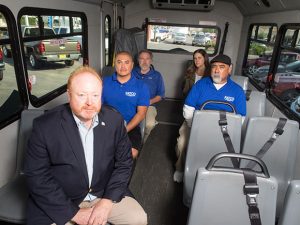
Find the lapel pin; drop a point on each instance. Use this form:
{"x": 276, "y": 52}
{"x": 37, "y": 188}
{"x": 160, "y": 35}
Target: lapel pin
{"x": 102, "y": 123}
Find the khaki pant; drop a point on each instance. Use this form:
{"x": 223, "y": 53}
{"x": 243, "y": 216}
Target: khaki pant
{"x": 181, "y": 146}
{"x": 150, "y": 121}
{"x": 127, "y": 211}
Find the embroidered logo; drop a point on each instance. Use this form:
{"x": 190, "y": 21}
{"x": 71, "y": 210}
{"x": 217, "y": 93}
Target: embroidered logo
{"x": 130, "y": 94}
{"x": 229, "y": 99}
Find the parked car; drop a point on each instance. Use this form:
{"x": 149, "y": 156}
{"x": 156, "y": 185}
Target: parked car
{"x": 287, "y": 86}
{"x": 2, "y": 64}
{"x": 3, "y": 32}
{"x": 50, "y": 50}
{"x": 5, "y": 48}
{"x": 199, "y": 40}
{"x": 290, "y": 69}
{"x": 295, "y": 106}
{"x": 159, "y": 35}
{"x": 179, "y": 38}
{"x": 66, "y": 30}
{"x": 286, "y": 57}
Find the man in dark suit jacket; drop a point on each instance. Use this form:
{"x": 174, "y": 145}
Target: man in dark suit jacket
{"x": 78, "y": 161}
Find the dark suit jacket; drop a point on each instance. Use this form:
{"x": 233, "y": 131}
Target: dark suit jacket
{"x": 56, "y": 170}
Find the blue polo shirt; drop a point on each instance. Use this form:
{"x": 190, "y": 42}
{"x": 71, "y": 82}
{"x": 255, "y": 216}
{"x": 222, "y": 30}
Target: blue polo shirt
{"x": 125, "y": 97}
{"x": 153, "y": 80}
{"x": 205, "y": 90}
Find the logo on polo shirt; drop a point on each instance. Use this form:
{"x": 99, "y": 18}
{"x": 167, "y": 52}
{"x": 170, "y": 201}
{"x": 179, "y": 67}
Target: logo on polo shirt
{"x": 130, "y": 93}
{"x": 229, "y": 99}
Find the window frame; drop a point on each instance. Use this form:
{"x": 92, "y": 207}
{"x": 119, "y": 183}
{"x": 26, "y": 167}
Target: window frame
{"x": 53, "y": 12}
{"x": 110, "y": 47}
{"x": 274, "y": 99}
{"x": 255, "y": 39}
{"x": 119, "y": 22}
{"x": 18, "y": 66}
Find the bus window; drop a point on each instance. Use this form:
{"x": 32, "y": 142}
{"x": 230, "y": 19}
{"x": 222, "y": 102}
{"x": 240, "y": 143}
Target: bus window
{"x": 52, "y": 42}
{"x": 260, "y": 50}
{"x": 11, "y": 102}
{"x": 286, "y": 85}
{"x": 107, "y": 40}
{"x": 176, "y": 38}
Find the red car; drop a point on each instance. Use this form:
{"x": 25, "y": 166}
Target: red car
{"x": 286, "y": 57}
{"x": 287, "y": 87}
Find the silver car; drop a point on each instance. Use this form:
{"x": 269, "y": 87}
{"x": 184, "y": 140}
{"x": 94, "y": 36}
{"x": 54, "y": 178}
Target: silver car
{"x": 179, "y": 38}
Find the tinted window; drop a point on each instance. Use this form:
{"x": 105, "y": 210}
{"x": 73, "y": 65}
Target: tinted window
{"x": 175, "y": 38}
{"x": 11, "y": 102}
{"x": 260, "y": 50}
{"x": 51, "y": 59}
{"x": 286, "y": 80}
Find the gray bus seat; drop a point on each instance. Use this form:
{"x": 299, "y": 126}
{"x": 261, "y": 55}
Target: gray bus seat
{"x": 256, "y": 104}
{"x": 281, "y": 156}
{"x": 290, "y": 214}
{"x": 13, "y": 195}
{"x": 205, "y": 141}
{"x": 242, "y": 81}
{"x": 219, "y": 199}
{"x": 107, "y": 71}
{"x": 142, "y": 127}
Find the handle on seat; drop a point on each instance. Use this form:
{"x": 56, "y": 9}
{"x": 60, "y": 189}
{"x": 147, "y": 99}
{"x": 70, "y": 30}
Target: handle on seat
{"x": 218, "y": 102}
{"x": 214, "y": 159}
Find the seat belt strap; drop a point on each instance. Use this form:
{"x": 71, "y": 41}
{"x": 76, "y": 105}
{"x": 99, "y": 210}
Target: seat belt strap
{"x": 276, "y": 133}
{"x": 251, "y": 190}
{"x": 223, "y": 125}
{"x": 248, "y": 93}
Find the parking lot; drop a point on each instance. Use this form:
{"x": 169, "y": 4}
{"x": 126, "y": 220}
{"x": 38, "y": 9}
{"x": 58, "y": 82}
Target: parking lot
{"x": 168, "y": 44}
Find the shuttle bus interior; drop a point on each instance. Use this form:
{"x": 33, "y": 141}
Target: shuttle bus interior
{"x": 41, "y": 42}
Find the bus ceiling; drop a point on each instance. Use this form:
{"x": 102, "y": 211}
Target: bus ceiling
{"x": 247, "y": 7}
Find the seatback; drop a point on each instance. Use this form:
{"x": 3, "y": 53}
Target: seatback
{"x": 290, "y": 214}
{"x": 205, "y": 141}
{"x": 280, "y": 158}
{"x": 256, "y": 105}
{"x": 242, "y": 81}
{"x": 27, "y": 117}
{"x": 13, "y": 195}
{"x": 218, "y": 199}
{"x": 142, "y": 127}
{"x": 107, "y": 71}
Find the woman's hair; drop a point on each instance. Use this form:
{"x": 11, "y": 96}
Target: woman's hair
{"x": 192, "y": 68}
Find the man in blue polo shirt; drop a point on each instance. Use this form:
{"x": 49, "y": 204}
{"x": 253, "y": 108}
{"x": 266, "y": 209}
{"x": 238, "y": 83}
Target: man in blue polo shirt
{"x": 218, "y": 87}
{"x": 155, "y": 83}
{"x": 129, "y": 96}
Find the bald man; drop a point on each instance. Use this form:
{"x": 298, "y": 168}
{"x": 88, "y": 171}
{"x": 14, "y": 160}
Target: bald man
{"x": 78, "y": 162}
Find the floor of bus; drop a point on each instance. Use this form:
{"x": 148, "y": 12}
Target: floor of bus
{"x": 152, "y": 182}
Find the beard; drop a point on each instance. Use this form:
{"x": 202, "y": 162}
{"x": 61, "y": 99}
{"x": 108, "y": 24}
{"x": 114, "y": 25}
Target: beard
{"x": 90, "y": 110}
{"x": 216, "y": 78}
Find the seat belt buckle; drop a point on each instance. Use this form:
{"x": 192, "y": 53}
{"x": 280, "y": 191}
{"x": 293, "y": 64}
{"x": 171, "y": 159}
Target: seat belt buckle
{"x": 224, "y": 128}
{"x": 223, "y": 122}
{"x": 251, "y": 191}
{"x": 251, "y": 199}
{"x": 275, "y": 136}
{"x": 278, "y": 131}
